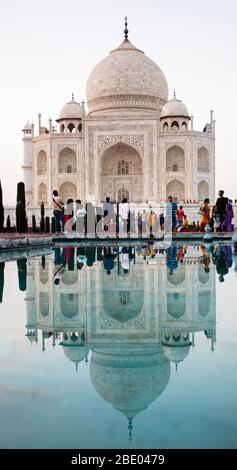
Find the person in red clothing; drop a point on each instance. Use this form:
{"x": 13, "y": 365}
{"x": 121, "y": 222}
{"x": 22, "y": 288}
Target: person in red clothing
{"x": 180, "y": 216}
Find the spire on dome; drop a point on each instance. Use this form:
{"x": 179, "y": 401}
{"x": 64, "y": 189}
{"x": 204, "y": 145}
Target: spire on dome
{"x": 126, "y": 29}
{"x": 174, "y": 95}
{"x": 72, "y": 96}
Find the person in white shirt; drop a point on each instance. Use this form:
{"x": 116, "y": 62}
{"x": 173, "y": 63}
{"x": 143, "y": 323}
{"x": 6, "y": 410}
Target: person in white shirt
{"x": 124, "y": 212}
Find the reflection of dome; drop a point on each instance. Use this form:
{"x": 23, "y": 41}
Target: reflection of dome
{"x": 74, "y": 348}
{"x": 71, "y": 110}
{"x": 126, "y": 78}
{"x": 129, "y": 378}
{"x": 174, "y": 108}
{"x": 31, "y": 336}
{"x": 176, "y": 346}
{"x": 75, "y": 353}
{"x": 176, "y": 353}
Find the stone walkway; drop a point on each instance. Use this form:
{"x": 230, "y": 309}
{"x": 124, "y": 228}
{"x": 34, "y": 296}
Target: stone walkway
{"x": 9, "y": 241}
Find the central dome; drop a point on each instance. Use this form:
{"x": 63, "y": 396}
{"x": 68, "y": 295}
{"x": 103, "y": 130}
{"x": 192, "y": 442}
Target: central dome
{"x": 126, "y": 79}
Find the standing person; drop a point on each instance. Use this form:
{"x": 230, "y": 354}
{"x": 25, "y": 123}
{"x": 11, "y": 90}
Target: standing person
{"x": 205, "y": 214}
{"x": 58, "y": 212}
{"x": 144, "y": 222}
{"x": 108, "y": 212}
{"x": 80, "y": 217}
{"x": 180, "y": 216}
{"x": 229, "y": 216}
{"x": 172, "y": 209}
{"x": 125, "y": 214}
{"x": 139, "y": 223}
{"x": 162, "y": 222}
{"x": 220, "y": 210}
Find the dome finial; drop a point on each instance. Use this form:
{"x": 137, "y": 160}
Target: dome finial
{"x": 72, "y": 96}
{"x": 126, "y": 28}
{"x": 174, "y": 95}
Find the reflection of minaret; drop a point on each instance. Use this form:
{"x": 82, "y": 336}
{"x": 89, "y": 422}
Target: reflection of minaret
{"x": 74, "y": 347}
{"x": 30, "y": 303}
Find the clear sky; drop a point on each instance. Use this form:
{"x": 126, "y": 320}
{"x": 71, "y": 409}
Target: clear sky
{"x": 48, "y": 49}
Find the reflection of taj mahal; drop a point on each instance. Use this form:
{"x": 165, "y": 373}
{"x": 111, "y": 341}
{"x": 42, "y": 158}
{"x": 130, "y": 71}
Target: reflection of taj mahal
{"x": 134, "y": 322}
{"x": 130, "y": 141}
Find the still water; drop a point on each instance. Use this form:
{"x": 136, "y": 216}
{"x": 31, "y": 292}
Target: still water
{"x": 119, "y": 347}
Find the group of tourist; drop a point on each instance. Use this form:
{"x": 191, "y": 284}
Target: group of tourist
{"x": 219, "y": 217}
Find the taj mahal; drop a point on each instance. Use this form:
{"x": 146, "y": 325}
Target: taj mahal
{"x": 128, "y": 140}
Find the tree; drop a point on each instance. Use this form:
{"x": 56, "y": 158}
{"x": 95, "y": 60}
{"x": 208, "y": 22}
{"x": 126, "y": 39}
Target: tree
{"x": 8, "y": 223}
{"x": 1, "y": 210}
{"x": 47, "y": 224}
{"x": 21, "y": 223}
{"x": 42, "y": 220}
{"x": 34, "y": 228}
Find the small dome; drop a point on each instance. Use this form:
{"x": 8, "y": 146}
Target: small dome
{"x": 174, "y": 108}
{"x": 71, "y": 110}
{"x": 27, "y": 127}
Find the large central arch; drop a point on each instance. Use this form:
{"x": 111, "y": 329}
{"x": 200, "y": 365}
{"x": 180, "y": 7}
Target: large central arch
{"x": 121, "y": 171}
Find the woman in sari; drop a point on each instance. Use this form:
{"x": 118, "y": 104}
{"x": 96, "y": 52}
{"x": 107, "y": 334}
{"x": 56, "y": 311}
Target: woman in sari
{"x": 205, "y": 214}
{"x": 229, "y": 216}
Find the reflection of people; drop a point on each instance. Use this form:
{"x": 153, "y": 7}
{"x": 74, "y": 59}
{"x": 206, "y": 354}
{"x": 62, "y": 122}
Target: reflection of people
{"x": 171, "y": 261}
{"x": 204, "y": 259}
{"x": 221, "y": 262}
{"x": 59, "y": 256}
{"x": 81, "y": 257}
{"x": 126, "y": 259}
{"x": 60, "y": 263}
{"x": 108, "y": 259}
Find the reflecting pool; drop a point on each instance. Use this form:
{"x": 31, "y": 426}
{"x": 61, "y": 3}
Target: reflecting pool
{"x": 119, "y": 347}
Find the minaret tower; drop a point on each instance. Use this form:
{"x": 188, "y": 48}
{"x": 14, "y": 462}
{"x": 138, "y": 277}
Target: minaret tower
{"x": 28, "y": 134}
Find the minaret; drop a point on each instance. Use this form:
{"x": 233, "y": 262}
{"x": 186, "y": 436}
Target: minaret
{"x": 28, "y": 162}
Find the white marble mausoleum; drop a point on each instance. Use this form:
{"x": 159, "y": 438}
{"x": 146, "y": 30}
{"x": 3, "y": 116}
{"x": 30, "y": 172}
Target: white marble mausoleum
{"x": 128, "y": 140}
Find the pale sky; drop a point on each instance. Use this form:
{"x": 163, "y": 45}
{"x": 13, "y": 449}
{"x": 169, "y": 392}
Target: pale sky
{"x": 48, "y": 49}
